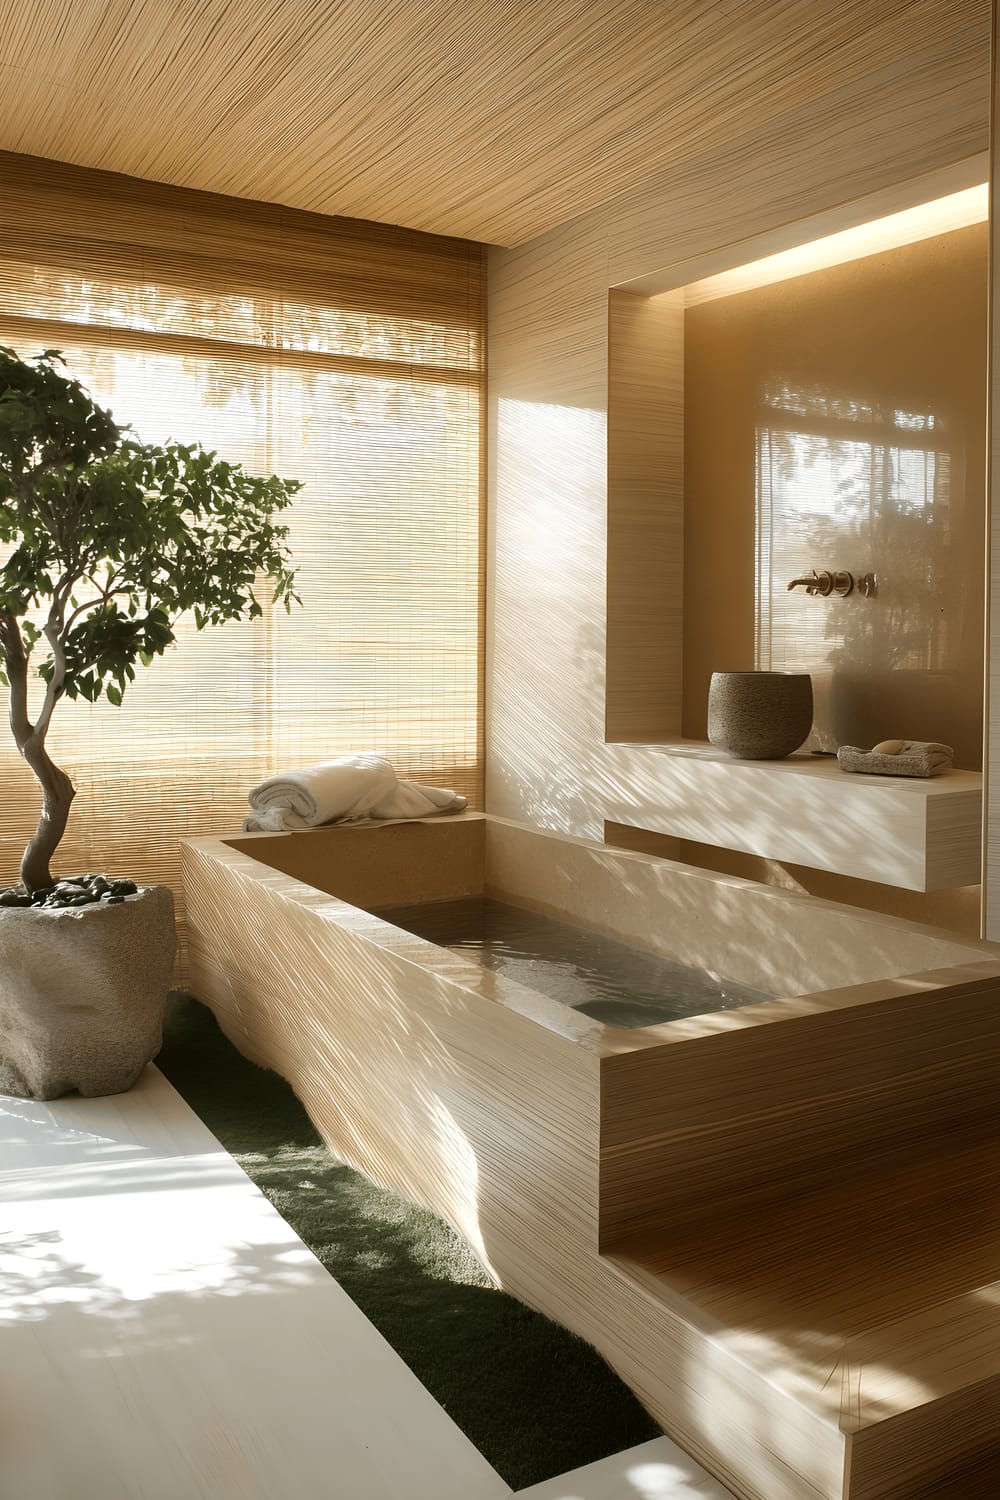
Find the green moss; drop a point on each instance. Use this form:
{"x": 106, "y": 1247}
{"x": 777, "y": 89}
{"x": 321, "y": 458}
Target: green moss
{"x": 535, "y": 1400}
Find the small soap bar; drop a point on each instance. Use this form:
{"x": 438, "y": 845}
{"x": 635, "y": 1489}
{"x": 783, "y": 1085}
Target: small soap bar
{"x": 888, "y": 747}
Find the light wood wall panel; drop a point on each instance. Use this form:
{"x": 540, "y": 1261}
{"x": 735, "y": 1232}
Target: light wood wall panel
{"x": 645, "y": 583}
{"x": 546, "y": 555}
{"x": 548, "y": 760}
{"x": 991, "y": 758}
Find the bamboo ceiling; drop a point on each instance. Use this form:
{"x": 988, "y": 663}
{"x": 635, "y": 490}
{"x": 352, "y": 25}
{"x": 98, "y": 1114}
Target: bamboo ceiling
{"x": 489, "y": 119}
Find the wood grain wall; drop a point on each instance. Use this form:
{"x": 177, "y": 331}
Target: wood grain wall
{"x": 991, "y": 755}
{"x": 645, "y": 515}
{"x": 548, "y": 758}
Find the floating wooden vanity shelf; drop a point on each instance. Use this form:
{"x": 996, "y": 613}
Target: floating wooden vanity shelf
{"x": 923, "y": 835}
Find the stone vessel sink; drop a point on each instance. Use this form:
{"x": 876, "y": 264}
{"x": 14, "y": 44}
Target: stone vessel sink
{"x": 759, "y": 715}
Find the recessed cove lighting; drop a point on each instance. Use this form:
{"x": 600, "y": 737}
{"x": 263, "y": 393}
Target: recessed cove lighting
{"x": 956, "y": 211}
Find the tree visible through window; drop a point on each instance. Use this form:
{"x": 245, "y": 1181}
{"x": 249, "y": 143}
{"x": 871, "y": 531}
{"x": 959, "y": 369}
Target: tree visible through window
{"x": 841, "y": 484}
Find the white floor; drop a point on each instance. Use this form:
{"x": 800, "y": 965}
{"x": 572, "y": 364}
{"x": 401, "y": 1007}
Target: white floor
{"x": 166, "y": 1336}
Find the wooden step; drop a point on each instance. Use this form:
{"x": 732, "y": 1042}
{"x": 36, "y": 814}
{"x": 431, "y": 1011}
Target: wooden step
{"x": 871, "y": 1307}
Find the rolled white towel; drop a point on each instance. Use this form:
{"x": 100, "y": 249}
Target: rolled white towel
{"x": 342, "y": 791}
{"x": 335, "y": 789}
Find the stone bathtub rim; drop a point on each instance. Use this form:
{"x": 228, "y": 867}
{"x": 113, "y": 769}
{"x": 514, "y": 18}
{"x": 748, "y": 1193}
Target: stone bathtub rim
{"x": 584, "y": 1031}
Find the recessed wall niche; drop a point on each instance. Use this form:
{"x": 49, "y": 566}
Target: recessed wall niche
{"x": 807, "y": 411}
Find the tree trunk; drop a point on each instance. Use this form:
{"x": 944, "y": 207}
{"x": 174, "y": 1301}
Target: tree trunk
{"x": 58, "y": 793}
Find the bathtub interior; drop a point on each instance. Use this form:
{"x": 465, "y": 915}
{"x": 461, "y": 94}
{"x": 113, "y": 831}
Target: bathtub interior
{"x": 618, "y": 984}
{"x": 774, "y": 942}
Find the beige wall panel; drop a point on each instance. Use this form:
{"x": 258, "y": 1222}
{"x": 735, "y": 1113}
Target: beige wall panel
{"x": 545, "y": 640}
{"x": 991, "y": 851}
{"x": 645, "y": 516}
{"x": 547, "y": 757}
{"x": 904, "y": 330}
{"x": 896, "y": 196}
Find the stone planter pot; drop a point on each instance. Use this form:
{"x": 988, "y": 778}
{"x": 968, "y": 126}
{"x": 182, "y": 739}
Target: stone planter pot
{"x": 82, "y": 991}
{"x": 759, "y": 715}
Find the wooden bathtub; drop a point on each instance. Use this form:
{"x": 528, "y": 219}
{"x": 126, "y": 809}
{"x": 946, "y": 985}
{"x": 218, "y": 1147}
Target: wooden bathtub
{"x": 776, "y": 1222}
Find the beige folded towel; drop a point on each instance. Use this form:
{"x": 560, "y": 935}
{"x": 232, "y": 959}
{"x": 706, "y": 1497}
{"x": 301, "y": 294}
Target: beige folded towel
{"x": 917, "y": 758}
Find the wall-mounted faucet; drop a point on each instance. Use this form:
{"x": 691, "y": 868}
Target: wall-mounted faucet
{"x": 825, "y": 583}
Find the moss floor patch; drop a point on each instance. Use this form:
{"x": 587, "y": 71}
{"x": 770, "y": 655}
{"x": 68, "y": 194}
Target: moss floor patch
{"x": 534, "y": 1399}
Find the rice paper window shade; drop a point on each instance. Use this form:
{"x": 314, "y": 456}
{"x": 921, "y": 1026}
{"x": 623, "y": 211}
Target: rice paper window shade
{"x": 345, "y": 354}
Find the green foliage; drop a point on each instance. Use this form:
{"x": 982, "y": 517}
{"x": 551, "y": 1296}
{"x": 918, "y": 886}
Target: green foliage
{"x": 112, "y": 540}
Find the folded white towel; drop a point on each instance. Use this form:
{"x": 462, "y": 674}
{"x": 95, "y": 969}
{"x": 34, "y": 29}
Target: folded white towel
{"x": 341, "y": 791}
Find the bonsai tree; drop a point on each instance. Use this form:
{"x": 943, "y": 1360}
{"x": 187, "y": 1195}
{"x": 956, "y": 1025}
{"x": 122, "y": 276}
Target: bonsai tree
{"x": 108, "y": 541}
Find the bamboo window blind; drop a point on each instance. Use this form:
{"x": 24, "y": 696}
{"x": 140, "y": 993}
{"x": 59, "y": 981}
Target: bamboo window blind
{"x": 345, "y": 354}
